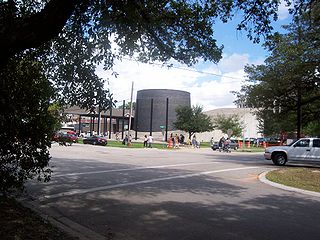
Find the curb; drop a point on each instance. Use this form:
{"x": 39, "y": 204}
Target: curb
{"x": 262, "y": 178}
{"x": 65, "y": 224}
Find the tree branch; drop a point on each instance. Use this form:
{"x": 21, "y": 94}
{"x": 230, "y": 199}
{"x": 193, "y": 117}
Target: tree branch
{"x": 21, "y": 33}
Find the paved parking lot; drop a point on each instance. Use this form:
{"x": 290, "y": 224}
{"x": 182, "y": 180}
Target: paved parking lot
{"x": 179, "y": 194}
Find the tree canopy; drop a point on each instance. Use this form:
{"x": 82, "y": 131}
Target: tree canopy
{"x": 233, "y": 122}
{"x": 285, "y": 88}
{"x": 51, "y": 48}
{"x": 72, "y": 37}
{"x": 127, "y": 105}
{"x": 192, "y": 120}
{"x": 26, "y": 124}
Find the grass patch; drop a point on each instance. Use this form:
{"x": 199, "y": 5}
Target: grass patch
{"x": 18, "y": 222}
{"x": 251, "y": 149}
{"x": 205, "y": 145}
{"x": 135, "y": 145}
{"x": 114, "y": 143}
{"x": 303, "y": 178}
{"x": 163, "y": 145}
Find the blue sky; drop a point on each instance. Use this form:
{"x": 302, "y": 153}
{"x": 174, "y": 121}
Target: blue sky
{"x": 209, "y": 84}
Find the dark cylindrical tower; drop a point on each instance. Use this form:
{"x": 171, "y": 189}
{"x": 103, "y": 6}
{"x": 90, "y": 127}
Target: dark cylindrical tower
{"x": 143, "y": 112}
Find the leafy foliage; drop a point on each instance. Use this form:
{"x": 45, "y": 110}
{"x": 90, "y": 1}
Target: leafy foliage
{"x": 233, "y": 122}
{"x": 70, "y": 38}
{"x": 273, "y": 123}
{"x": 312, "y": 128}
{"x": 26, "y": 124}
{"x": 192, "y": 120}
{"x": 128, "y": 105}
{"x": 288, "y": 83}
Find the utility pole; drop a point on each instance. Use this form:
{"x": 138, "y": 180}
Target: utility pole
{"x": 136, "y": 120}
{"x": 130, "y": 110}
{"x": 167, "y": 113}
{"x": 124, "y": 102}
{"x": 110, "y": 122}
{"x": 99, "y": 120}
{"x": 151, "y": 116}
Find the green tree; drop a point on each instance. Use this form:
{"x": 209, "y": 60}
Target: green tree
{"x": 55, "y": 110}
{"x": 128, "y": 105}
{"x": 286, "y": 88}
{"x": 72, "y": 37}
{"x": 232, "y": 122}
{"x": 272, "y": 123}
{"x": 66, "y": 40}
{"x": 312, "y": 128}
{"x": 26, "y": 124}
{"x": 192, "y": 120}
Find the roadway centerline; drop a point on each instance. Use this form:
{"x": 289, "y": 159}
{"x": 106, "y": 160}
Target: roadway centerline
{"x": 84, "y": 191}
{"x": 132, "y": 169}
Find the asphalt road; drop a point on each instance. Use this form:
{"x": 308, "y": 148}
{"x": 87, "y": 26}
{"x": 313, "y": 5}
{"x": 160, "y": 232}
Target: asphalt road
{"x": 145, "y": 194}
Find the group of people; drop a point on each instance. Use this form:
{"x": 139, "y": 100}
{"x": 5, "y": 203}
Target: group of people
{"x": 147, "y": 143}
{"x": 127, "y": 140}
{"x": 176, "y": 140}
{"x": 148, "y": 140}
{"x": 224, "y": 144}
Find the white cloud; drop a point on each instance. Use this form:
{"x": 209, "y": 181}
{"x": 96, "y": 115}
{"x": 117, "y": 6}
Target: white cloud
{"x": 233, "y": 62}
{"x": 283, "y": 12}
{"x": 209, "y": 87}
{"x": 217, "y": 94}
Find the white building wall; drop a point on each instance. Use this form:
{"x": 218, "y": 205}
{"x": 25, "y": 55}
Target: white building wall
{"x": 246, "y": 115}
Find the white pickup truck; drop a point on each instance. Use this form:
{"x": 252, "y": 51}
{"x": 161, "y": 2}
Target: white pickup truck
{"x": 302, "y": 150}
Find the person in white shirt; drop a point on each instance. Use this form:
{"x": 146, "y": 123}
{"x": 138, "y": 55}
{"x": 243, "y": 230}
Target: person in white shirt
{"x": 150, "y": 140}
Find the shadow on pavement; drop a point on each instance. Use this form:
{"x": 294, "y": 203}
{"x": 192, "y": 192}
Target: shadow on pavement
{"x": 197, "y": 207}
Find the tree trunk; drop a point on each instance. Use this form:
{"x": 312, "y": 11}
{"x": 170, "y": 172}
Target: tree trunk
{"x": 20, "y": 33}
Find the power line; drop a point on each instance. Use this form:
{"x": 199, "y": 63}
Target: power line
{"x": 188, "y": 69}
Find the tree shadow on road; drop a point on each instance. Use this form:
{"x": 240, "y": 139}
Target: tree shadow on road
{"x": 196, "y": 207}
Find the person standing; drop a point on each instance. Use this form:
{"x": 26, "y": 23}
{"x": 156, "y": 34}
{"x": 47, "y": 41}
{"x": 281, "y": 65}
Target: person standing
{"x": 125, "y": 140}
{"x": 188, "y": 141}
{"x": 194, "y": 141}
{"x": 226, "y": 146}
{"x": 211, "y": 141}
{"x": 117, "y": 136}
{"x": 181, "y": 139}
{"x": 145, "y": 142}
{"x": 176, "y": 141}
{"x": 221, "y": 143}
{"x": 150, "y": 140}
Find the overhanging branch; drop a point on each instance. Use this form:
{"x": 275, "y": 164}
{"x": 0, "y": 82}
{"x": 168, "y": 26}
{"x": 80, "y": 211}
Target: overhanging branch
{"x": 21, "y": 33}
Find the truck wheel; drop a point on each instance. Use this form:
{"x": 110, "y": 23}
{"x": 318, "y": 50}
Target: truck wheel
{"x": 279, "y": 159}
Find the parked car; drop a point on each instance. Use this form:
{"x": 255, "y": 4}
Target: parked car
{"x": 273, "y": 141}
{"x": 302, "y": 150}
{"x": 61, "y": 137}
{"x": 72, "y": 137}
{"x": 95, "y": 140}
{"x": 56, "y": 137}
{"x": 233, "y": 145}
